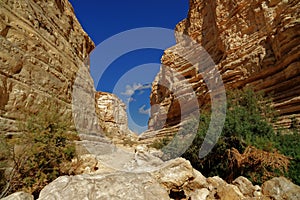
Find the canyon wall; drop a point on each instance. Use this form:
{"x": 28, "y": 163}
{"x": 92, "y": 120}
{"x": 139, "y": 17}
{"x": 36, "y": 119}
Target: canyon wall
{"x": 42, "y": 46}
{"x": 252, "y": 43}
{"x": 111, "y": 112}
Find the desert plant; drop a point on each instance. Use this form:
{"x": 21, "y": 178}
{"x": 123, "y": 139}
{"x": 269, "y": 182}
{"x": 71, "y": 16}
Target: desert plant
{"x": 160, "y": 143}
{"x": 4, "y": 156}
{"x": 129, "y": 142}
{"x": 289, "y": 145}
{"x": 36, "y": 155}
{"x": 257, "y": 164}
{"x": 248, "y": 124}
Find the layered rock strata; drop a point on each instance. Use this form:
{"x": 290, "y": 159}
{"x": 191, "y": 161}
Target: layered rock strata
{"x": 252, "y": 43}
{"x": 42, "y": 47}
{"x": 112, "y": 115}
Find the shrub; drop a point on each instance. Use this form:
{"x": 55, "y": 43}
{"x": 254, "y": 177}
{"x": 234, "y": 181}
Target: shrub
{"x": 258, "y": 165}
{"x": 247, "y": 127}
{"x": 160, "y": 143}
{"x": 289, "y": 145}
{"x": 175, "y": 145}
{"x": 129, "y": 142}
{"x": 37, "y": 155}
{"x": 4, "y": 156}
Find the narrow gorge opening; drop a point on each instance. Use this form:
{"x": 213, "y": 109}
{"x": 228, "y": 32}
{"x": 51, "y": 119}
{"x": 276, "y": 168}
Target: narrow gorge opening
{"x": 130, "y": 74}
{"x": 132, "y": 84}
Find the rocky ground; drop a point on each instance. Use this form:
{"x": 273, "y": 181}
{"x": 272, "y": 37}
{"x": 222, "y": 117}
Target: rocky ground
{"x": 105, "y": 171}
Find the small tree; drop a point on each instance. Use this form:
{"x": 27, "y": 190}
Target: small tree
{"x": 247, "y": 124}
{"x": 36, "y": 156}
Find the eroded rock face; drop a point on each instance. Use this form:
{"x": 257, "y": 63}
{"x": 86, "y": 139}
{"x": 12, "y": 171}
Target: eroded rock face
{"x": 42, "y": 46}
{"x": 112, "y": 115}
{"x": 252, "y": 43}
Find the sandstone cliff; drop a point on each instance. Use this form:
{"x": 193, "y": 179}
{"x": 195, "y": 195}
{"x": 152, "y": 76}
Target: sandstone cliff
{"x": 252, "y": 43}
{"x": 42, "y": 46}
{"x": 112, "y": 115}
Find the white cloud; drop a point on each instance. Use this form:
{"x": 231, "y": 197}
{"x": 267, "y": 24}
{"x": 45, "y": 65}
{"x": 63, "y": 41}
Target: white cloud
{"x": 130, "y": 99}
{"x": 143, "y": 111}
{"x": 141, "y": 92}
{"x": 146, "y": 86}
{"x": 130, "y": 89}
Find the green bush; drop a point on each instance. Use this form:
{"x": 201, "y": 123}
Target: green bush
{"x": 289, "y": 145}
{"x": 160, "y": 143}
{"x": 176, "y": 145}
{"x": 247, "y": 131}
{"x": 4, "y": 156}
{"x": 37, "y": 155}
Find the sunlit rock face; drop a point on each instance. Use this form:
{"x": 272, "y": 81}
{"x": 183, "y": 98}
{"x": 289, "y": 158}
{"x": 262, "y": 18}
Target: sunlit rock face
{"x": 111, "y": 112}
{"x": 252, "y": 43}
{"x": 42, "y": 47}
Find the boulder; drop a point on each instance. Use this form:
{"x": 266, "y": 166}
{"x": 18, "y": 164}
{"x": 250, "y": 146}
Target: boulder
{"x": 175, "y": 173}
{"x": 246, "y": 187}
{"x": 220, "y": 189}
{"x": 200, "y": 194}
{"x": 281, "y": 188}
{"x": 117, "y": 186}
{"x": 19, "y": 196}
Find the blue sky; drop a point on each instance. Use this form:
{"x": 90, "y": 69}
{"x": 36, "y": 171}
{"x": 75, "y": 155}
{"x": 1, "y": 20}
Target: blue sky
{"x": 129, "y": 75}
